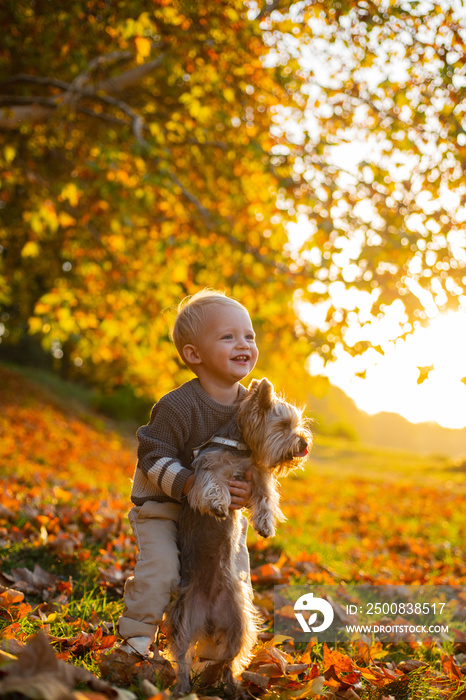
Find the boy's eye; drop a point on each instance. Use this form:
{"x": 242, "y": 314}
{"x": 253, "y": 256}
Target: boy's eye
{"x": 228, "y": 335}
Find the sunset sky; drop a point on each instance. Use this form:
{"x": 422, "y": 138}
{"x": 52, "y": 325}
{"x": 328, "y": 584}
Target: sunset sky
{"x": 391, "y": 381}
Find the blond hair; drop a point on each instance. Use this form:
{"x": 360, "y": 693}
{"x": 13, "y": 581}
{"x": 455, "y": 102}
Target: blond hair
{"x": 191, "y": 315}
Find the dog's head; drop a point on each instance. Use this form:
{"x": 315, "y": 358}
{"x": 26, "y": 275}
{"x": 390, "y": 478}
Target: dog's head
{"x": 274, "y": 430}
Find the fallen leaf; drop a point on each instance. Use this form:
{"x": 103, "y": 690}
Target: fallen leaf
{"x": 268, "y": 574}
{"x": 451, "y": 668}
{"x": 411, "y": 665}
{"x": 122, "y": 668}
{"x": 309, "y": 690}
{"x": 256, "y": 679}
{"x": 348, "y": 694}
{"x": 64, "y": 545}
{"x": 9, "y": 596}
{"x": 340, "y": 662}
{"x": 38, "y": 674}
{"x": 37, "y": 581}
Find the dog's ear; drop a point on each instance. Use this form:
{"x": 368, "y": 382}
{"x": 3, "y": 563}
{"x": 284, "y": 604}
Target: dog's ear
{"x": 263, "y": 392}
{"x": 252, "y": 414}
{"x": 253, "y": 385}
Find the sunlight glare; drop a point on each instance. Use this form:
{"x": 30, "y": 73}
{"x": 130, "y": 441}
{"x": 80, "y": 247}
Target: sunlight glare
{"x": 391, "y": 382}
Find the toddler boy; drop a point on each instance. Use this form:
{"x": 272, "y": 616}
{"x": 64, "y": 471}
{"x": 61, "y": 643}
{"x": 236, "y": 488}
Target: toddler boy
{"x": 215, "y": 338}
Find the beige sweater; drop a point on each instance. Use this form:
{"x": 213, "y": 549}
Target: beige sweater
{"x": 182, "y": 420}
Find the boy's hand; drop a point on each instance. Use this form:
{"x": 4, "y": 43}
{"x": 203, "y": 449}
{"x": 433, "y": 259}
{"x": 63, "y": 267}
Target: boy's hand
{"x": 240, "y": 492}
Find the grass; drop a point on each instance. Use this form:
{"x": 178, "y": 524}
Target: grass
{"x": 359, "y": 507}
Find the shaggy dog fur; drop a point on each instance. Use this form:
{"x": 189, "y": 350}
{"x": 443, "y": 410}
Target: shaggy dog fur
{"x": 213, "y": 605}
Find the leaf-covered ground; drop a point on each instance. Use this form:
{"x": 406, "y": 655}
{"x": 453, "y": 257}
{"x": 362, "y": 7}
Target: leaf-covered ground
{"x": 355, "y": 514}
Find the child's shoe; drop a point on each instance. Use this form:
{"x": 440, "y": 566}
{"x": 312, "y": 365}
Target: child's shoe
{"x": 137, "y": 645}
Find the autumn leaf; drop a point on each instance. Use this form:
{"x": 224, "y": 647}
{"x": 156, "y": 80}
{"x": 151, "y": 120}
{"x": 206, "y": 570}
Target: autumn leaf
{"x": 451, "y": 668}
{"x": 424, "y": 373}
{"x": 37, "y": 581}
{"x": 309, "y": 690}
{"x": 38, "y": 674}
{"x": 268, "y": 574}
{"x": 8, "y": 596}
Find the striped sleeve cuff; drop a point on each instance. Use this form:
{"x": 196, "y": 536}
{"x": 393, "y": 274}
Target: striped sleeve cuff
{"x": 169, "y": 476}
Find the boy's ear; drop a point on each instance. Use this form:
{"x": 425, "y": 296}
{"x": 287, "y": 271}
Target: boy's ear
{"x": 191, "y": 355}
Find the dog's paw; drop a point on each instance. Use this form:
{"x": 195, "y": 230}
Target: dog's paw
{"x": 266, "y": 531}
{"x": 181, "y": 688}
{"x": 219, "y": 512}
{"x": 264, "y": 524}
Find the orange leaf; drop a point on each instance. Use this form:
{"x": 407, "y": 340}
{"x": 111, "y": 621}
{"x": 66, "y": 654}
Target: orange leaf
{"x": 9, "y": 596}
{"x": 340, "y": 662}
{"x": 268, "y": 573}
{"x": 451, "y": 668}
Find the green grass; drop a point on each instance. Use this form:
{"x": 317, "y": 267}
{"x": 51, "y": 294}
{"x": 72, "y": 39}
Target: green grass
{"x": 342, "y": 459}
{"x": 371, "y": 508}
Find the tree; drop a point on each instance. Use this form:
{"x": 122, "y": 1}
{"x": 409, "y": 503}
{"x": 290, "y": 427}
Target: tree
{"x": 152, "y": 148}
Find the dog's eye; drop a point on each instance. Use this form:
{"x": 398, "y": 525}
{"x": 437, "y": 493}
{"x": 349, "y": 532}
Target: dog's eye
{"x": 285, "y": 424}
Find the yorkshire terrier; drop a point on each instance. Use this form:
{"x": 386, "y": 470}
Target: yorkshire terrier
{"x": 213, "y": 605}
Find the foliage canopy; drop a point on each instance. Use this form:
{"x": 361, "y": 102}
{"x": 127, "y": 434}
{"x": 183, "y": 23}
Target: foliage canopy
{"x": 150, "y": 148}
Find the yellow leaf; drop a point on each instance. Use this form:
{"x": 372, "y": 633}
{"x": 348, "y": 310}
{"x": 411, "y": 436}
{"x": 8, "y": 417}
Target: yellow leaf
{"x": 229, "y": 94}
{"x": 142, "y": 47}
{"x": 49, "y": 215}
{"x": 103, "y": 353}
{"x": 231, "y": 14}
{"x": 366, "y": 673}
{"x": 71, "y": 193}
{"x": 35, "y": 325}
{"x": 65, "y": 219}
{"x": 179, "y": 273}
{"x": 30, "y": 250}
{"x": 279, "y": 639}
{"x": 62, "y": 494}
{"x": 36, "y": 223}
{"x": 314, "y": 687}
{"x": 10, "y": 153}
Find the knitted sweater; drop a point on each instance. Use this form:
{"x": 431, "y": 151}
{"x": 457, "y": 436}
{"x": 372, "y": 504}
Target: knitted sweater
{"x": 180, "y": 421}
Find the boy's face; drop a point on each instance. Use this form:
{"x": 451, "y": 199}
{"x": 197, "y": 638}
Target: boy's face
{"x": 225, "y": 349}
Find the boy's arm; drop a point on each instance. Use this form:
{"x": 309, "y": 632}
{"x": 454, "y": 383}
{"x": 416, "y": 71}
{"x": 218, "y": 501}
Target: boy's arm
{"x": 159, "y": 453}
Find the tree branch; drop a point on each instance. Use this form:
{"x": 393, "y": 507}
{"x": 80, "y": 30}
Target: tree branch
{"x": 13, "y": 118}
{"x": 129, "y": 78}
{"x": 36, "y": 80}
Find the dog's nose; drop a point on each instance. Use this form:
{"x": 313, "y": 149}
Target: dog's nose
{"x": 302, "y": 444}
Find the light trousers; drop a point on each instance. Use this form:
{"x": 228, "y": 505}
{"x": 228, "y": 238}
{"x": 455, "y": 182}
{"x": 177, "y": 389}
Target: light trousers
{"x": 157, "y": 571}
